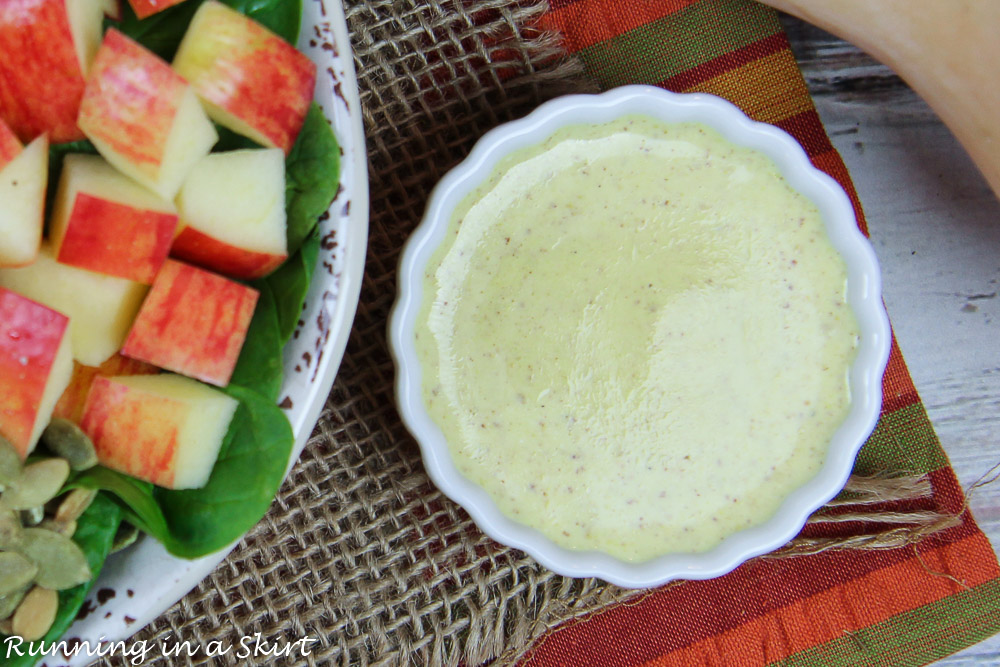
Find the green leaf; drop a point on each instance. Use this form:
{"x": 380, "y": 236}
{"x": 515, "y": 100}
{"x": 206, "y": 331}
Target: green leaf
{"x": 260, "y": 366}
{"x": 244, "y": 481}
{"x": 289, "y": 284}
{"x": 95, "y": 532}
{"x": 312, "y": 176}
{"x": 161, "y": 33}
{"x": 133, "y": 495}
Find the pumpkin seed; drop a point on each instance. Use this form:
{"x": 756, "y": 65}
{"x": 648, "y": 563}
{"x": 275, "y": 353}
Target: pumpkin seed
{"x": 38, "y": 484}
{"x": 33, "y": 516}
{"x": 35, "y": 614}
{"x": 66, "y": 528}
{"x": 10, "y": 528}
{"x": 74, "y": 504}
{"x": 64, "y": 438}
{"x": 16, "y": 572}
{"x": 10, "y": 462}
{"x": 125, "y": 537}
{"x": 61, "y": 563}
{"x": 9, "y": 603}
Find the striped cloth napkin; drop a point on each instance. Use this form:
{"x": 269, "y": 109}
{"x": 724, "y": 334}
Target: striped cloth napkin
{"x": 902, "y": 606}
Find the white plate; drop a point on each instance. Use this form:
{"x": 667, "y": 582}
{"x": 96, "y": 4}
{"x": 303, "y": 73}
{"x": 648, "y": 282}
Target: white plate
{"x": 156, "y": 578}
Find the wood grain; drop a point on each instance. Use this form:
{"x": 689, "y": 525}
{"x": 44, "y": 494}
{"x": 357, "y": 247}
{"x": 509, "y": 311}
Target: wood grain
{"x": 935, "y": 225}
{"x": 946, "y": 51}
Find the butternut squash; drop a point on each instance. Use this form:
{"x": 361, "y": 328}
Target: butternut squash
{"x": 947, "y": 50}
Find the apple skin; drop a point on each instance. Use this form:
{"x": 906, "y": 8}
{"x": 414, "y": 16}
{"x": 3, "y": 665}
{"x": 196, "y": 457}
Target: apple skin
{"x": 104, "y": 222}
{"x": 42, "y": 77}
{"x": 35, "y": 367}
{"x": 10, "y": 146}
{"x": 144, "y": 8}
{"x": 74, "y": 397}
{"x": 252, "y": 81}
{"x": 193, "y": 322}
{"x": 201, "y": 249}
{"x": 164, "y": 429}
{"x": 135, "y": 109}
{"x": 112, "y": 238}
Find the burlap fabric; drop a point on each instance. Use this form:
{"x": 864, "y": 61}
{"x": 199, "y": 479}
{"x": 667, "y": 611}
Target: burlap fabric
{"x": 360, "y": 550}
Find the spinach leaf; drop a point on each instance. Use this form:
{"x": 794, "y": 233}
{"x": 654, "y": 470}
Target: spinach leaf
{"x": 260, "y": 366}
{"x": 245, "y": 480}
{"x": 290, "y": 283}
{"x": 312, "y": 176}
{"x": 195, "y": 522}
{"x": 161, "y": 33}
{"x": 134, "y": 496}
{"x": 95, "y": 532}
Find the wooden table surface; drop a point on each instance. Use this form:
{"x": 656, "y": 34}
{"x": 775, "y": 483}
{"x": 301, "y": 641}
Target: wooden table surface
{"x": 935, "y": 226}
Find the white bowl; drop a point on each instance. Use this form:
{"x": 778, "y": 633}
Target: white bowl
{"x": 863, "y": 295}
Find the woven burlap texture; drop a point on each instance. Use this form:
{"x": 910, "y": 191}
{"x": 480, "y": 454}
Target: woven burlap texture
{"x": 360, "y": 550}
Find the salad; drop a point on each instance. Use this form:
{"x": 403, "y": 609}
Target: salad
{"x": 180, "y": 167}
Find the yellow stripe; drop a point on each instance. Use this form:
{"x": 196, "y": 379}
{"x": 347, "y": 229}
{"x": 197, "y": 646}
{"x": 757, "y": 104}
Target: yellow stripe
{"x": 770, "y": 89}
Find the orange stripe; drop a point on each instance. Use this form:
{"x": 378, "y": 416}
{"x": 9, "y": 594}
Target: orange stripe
{"x": 769, "y": 89}
{"x": 587, "y": 22}
{"x": 854, "y": 605}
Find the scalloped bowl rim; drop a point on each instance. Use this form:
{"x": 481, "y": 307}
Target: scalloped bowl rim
{"x": 863, "y": 294}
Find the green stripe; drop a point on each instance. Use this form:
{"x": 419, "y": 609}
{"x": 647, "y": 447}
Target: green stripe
{"x": 903, "y": 440}
{"x": 676, "y": 43}
{"x": 915, "y": 637}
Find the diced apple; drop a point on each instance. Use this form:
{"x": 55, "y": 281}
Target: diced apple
{"x": 74, "y": 397}
{"x": 193, "y": 322}
{"x": 22, "y": 203}
{"x": 144, "y": 8}
{"x": 35, "y": 367}
{"x": 113, "y": 9}
{"x": 10, "y": 145}
{"x": 232, "y": 210}
{"x": 251, "y": 80}
{"x": 46, "y": 47}
{"x": 101, "y": 308}
{"x": 103, "y": 221}
{"x": 143, "y": 117}
{"x": 164, "y": 429}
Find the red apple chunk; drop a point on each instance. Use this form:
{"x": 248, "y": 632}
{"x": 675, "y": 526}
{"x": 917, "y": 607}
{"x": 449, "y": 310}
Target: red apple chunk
{"x": 232, "y": 210}
{"x": 35, "y": 367}
{"x": 144, "y": 8}
{"x": 74, "y": 397}
{"x": 22, "y": 203}
{"x": 105, "y": 222}
{"x": 164, "y": 429}
{"x": 142, "y": 117}
{"x": 251, "y": 80}
{"x": 101, "y": 308}
{"x": 46, "y": 47}
{"x": 193, "y": 322}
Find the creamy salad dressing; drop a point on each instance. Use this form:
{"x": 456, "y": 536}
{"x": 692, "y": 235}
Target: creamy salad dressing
{"x": 636, "y": 339}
